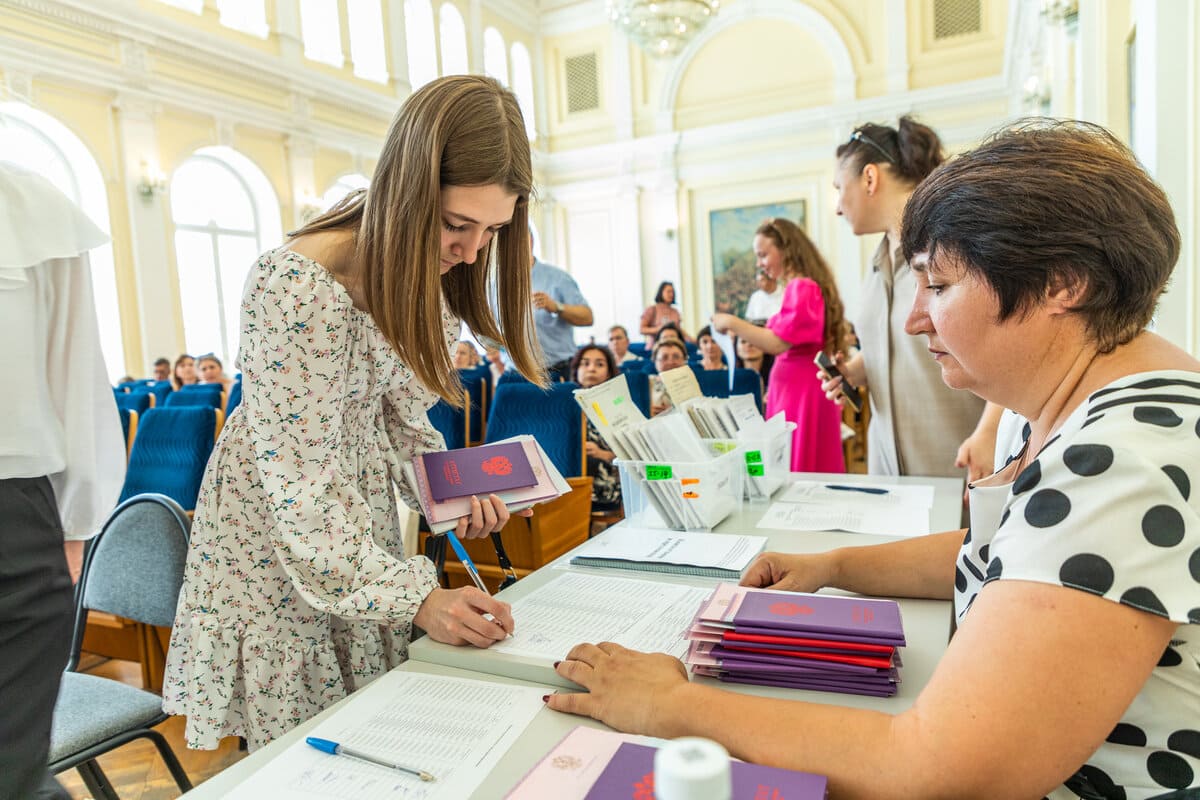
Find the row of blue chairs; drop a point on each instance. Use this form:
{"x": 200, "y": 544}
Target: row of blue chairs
{"x": 640, "y": 349}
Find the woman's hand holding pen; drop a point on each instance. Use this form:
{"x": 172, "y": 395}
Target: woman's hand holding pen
{"x": 791, "y": 573}
{"x": 455, "y": 616}
{"x": 625, "y": 688}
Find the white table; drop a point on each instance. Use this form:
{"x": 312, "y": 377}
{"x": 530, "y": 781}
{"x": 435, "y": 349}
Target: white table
{"x": 926, "y": 624}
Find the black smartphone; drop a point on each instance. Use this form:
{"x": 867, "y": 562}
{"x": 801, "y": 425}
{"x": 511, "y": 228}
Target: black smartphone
{"x": 850, "y": 391}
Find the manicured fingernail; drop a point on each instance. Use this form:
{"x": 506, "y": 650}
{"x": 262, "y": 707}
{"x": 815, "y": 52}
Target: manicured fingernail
{"x": 545, "y": 698}
{"x": 556, "y": 663}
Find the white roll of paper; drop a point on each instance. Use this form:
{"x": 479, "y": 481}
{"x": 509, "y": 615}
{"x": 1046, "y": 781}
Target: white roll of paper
{"x": 692, "y": 768}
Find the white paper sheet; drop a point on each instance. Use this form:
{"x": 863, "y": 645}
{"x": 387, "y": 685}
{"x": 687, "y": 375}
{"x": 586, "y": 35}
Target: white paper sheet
{"x": 854, "y": 515}
{"x": 725, "y": 342}
{"x": 725, "y": 551}
{"x": 917, "y": 496}
{"x": 642, "y": 615}
{"x": 454, "y": 728}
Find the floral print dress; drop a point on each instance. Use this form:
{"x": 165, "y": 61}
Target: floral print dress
{"x": 296, "y": 590}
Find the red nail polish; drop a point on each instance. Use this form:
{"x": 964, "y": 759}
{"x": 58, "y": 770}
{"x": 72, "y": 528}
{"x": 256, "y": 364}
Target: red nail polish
{"x": 556, "y": 663}
{"x": 545, "y": 698}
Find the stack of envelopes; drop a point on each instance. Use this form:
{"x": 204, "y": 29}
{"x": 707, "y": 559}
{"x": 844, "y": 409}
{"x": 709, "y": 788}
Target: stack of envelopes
{"x": 821, "y": 642}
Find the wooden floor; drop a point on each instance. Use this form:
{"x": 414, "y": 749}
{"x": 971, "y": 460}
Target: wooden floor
{"x": 136, "y": 770}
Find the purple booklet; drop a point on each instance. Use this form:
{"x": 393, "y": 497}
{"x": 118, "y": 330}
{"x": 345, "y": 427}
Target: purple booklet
{"x": 477, "y": 470}
{"x": 832, "y": 637}
{"x": 630, "y": 774}
{"x": 736, "y": 663}
{"x": 869, "y": 691}
{"x": 815, "y": 614}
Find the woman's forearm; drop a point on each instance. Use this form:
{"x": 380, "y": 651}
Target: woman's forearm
{"x": 919, "y": 567}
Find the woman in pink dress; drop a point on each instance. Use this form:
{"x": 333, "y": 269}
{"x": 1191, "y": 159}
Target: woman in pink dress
{"x": 809, "y": 321}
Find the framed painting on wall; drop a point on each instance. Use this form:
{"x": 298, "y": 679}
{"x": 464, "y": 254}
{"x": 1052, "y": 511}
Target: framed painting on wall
{"x": 732, "y": 238}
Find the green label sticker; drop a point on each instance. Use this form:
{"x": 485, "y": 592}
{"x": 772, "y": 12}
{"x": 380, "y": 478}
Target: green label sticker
{"x": 754, "y": 456}
{"x": 618, "y": 400}
{"x": 723, "y": 447}
{"x": 756, "y": 470}
{"x": 658, "y": 472}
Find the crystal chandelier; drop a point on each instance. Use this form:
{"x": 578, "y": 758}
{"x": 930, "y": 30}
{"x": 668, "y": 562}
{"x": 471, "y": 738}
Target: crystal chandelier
{"x": 662, "y": 27}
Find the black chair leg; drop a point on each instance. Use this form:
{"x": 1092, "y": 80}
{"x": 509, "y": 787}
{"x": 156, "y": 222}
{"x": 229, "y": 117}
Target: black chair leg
{"x": 96, "y": 781}
{"x": 168, "y": 757}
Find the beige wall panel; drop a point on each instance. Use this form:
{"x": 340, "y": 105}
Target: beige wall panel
{"x": 180, "y": 134}
{"x": 88, "y": 115}
{"x": 960, "y": 58}
{"x": 47, "y": 32}
{"x": 266, "y": 149}
{"x": 219, "y": 82}
{"x": 329, "y": 165}
{"x": 781, "y": 67}
{"x": 333, "y": 114}
{"x": 567, "y": 131}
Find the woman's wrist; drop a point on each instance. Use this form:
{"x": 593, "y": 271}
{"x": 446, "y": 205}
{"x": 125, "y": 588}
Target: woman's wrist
{"x": 669, "y": 711}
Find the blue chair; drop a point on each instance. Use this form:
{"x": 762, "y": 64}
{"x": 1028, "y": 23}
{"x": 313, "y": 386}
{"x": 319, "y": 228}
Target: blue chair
{"x": 137, "y": 401}
{"x": 203, "y": 399}
{"x": 134, "y": 569}
{"x": 235, "y": 398}
{"x": 639, "y": 349}
{"x": 510, "y": 376}
{"x": 202, "y": 388}
{"x": 476, "y": 381}
{"x": 552, "y": 416}
{"x": 451, "y": 422}
{"x": 129, "y": 423}
{"x": 639, "y": 389}
{"x": 714, "y": 383}
{"x": 748, "y": 381}
{"x": 171, "y": 450}
{"x": 160, "y": 389}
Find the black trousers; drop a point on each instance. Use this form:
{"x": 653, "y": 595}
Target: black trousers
{"x": 35, "y": 634}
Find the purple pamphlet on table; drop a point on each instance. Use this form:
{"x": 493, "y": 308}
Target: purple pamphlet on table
{"x": 630, "y": 774}
{"x": 814, "y": 614}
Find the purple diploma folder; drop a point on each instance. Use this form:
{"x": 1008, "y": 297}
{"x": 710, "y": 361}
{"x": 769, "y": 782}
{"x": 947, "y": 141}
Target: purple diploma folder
{"x": 477, "y": 470}
{"x": 630, "y": 774}
{"x": 815, "y": 615}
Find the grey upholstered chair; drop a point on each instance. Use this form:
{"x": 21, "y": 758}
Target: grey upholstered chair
{"x": 134, "y": 569}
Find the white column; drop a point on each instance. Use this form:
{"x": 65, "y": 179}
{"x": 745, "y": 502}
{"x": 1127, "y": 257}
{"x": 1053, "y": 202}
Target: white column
{"x": 396, "y": 41}
{"x": 895, "y": 16}
{"x": 300, "y": 150}
{"x": 287, "y": 24}
{"x": 475, "y": 37}
{"x": 1165, "y": 119}
{"x": 149, "y": 227}
{"x": 1091, "y": 63}
{"x": 620, "y": 86}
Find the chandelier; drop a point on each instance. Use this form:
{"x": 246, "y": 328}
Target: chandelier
{"x": 662, "y": 27}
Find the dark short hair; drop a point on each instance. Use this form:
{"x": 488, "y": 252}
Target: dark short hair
{"x": 658, "y": 296}
{"x": 1051, "y": 204}
{"x": 609, "y": 358}
{"x": 209, "y": 357}
{"x": 620, "y": 328}
{"x": 166, "y": 362}
{"x": 660, "y": 344}
{"x": 705, "y": 331}
{"x": 911, "y": 150}
{"x": 670, "y": 326}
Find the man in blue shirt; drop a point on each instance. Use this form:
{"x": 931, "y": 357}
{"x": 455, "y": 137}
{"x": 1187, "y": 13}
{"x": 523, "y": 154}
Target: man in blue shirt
{"x": 559, "y": 307}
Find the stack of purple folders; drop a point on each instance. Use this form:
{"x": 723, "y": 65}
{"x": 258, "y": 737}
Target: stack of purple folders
{"x": 819, "y": 642}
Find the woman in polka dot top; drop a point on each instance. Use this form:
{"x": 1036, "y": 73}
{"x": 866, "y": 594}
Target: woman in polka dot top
{"x": 1075, "y": 670}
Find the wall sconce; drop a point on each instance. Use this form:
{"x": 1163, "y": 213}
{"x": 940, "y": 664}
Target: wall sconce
{"x": 1037, "y": 95}
{"x": 152, "y": 182}
{"x": 1060, "y": 10}
{"x": 309, "y": 207}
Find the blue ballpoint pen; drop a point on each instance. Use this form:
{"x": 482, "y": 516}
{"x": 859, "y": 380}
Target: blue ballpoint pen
{"x": 865, "y": 489}
{"x": 465, "y": 558}
{"x": 336, "y": 749}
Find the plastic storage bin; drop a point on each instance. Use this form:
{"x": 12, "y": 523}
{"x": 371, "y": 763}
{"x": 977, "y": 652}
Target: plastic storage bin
{"x": 768, "y": 460}
{"x": 685, "y": 496}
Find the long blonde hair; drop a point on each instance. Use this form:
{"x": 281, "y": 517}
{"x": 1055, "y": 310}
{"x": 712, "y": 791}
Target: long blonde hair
{"x": 802, "y": 259}
{"x": 461, "y": 130}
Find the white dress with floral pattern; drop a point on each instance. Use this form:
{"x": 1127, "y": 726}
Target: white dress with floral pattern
{"x": 296, "y": 590}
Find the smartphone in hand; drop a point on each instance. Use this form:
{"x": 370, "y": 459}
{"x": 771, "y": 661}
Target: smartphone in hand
{"x": 849, "y": 390}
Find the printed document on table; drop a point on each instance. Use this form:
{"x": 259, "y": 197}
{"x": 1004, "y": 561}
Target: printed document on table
{"x": 453, "y": 728}
{"x": 856, "y": 515}
{"x": 642, "y": 615}
{"x": 656, "y": 546}
{"x": 915, "y": 495}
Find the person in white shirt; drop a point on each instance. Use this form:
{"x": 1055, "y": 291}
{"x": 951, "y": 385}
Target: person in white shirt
{"x": 62, "y": 461}
{"x": 618, "y": 342}
{"x": 765, "y": 301}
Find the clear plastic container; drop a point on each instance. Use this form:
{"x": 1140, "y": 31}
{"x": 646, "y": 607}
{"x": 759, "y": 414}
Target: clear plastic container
{"x": 767, "y": 460}
{"x": 694, "y": 496}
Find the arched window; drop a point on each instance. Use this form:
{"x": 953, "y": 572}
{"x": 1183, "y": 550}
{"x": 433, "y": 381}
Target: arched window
{"x": 495, "y": 60}
{"x": 522, "y": 86}
{"x": 321, "y": 29}
{"x": 247, "y": 16}
{"x": 42, "y": 144}
{"x": 453, "y": 39}
{"x": 367, "y": 51}
{"x": 342, "y": 187}
{"x": 225, "y": 214}
{"x": 418, "y": 36}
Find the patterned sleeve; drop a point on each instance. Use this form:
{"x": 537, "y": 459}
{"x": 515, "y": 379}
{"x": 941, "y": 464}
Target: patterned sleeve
{"x": 801, "y": 318}
{"x": 1111, "y": 512}
{"x": 297, "y": 360}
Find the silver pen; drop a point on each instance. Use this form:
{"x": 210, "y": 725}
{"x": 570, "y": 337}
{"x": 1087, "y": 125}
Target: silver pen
{"x": 333, "y": 748}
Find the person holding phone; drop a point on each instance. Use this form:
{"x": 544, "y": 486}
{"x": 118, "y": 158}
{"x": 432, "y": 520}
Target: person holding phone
{"x": 917, "y": 422}
{"x": 297, "y": 589}
{"x": 810, "y": 321}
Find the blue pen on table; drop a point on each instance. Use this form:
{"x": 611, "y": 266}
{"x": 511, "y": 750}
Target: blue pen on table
{"x": 864, "y": 489}
{"x": 333, "y": 748}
